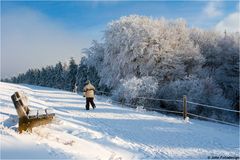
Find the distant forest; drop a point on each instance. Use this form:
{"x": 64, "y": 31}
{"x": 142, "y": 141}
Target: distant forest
{"x": 144, "y": 57}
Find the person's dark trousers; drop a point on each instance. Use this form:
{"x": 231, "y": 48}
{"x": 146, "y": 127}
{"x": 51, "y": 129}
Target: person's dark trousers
{"x": 88, "y": 101}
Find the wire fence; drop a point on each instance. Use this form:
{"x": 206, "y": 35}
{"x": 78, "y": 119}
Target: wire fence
{"x": 184, "y": 104}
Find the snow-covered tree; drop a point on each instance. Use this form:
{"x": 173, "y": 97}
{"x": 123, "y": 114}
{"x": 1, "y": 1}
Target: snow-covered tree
{"x": 208, "y": 45}
{"x": 222, "y": 60}
{"x": 141, "y": 46}
{"x": 227, "y": 74}
{"x": 95, "y": 55}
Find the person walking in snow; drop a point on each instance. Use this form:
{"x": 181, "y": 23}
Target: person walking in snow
{"x": 75, "y": 88}
{"x": 88, "y": 92}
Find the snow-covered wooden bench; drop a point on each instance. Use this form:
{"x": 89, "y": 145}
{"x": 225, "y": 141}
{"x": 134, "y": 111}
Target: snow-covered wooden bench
{"x": 29, "y": 118}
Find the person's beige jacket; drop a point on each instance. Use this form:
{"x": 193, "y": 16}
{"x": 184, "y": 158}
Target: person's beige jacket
{"x": 88, "y": 91}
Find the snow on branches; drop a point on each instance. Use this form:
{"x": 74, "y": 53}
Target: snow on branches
{"x": 141, "y": 46}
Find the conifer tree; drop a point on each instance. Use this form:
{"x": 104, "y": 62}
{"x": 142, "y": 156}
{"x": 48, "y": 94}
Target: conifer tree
{"x": 70, "y": 81}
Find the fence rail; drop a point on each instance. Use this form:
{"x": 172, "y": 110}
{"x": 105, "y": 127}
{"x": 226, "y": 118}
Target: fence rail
{"x": 184, "y": 112}
{"x": 163, "y": 110}
{"x": 209, "y": 106}
{"x": 158, "y": 99}
{"x": 211, "y": 119}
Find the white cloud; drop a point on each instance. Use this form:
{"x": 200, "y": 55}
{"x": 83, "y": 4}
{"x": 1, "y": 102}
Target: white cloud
{"x": 213, "y": 9}
{"x": 229, "y": 23}
{"x": 31, "y": 40}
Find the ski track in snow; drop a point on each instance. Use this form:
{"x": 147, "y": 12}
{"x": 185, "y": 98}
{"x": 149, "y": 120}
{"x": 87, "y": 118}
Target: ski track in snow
{"x": 108, "y": 132}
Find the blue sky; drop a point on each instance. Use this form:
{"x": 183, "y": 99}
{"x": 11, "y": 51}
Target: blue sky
{"x": 81, "y": 14}
{"x": 44, "y": 33}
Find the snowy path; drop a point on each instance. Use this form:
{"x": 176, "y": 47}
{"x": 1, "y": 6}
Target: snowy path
{"x": 109, "y": 132}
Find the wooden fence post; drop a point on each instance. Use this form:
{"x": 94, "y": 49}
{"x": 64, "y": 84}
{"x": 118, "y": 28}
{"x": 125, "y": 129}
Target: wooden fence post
{"x": 184, "y": 107}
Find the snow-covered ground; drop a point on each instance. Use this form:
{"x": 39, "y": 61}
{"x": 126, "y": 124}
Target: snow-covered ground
{"x": 108, "y": 132}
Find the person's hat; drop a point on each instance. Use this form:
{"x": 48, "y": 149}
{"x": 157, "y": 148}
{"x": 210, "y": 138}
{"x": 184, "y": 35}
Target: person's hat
{"x": 87, "y": 82}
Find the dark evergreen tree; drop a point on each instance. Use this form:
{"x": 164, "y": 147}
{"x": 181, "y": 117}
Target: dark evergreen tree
{"x": 82, "y": 74}
{"x": 61, "y": 76}
{"x": 86, "y": 72}
{"x": 70, "y": 81}
{"x": 37, "y": 77}
{"x": 59, "y": 79}
{"x": 43, "y": 77}
{"x": 51, "y": 76}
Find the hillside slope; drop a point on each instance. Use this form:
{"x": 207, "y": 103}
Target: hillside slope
{"x": 108, "y": 132}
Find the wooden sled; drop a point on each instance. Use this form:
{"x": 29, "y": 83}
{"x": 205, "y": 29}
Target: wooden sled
{"x": 29, "y": 118}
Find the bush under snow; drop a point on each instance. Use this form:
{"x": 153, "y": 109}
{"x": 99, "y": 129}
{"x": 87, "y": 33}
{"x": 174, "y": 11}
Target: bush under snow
{"x": 129, "y": 89}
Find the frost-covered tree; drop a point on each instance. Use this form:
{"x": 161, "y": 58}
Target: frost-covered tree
{"x": 208, "y": 45}
{"x": 95, "y": 55}
{"x": 227, "y": 74}
{"x": 141, "y": 46}
{"x": 222, "y": 60}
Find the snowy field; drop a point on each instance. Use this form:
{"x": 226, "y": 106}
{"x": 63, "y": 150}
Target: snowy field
{"x": 109, "y": 132}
